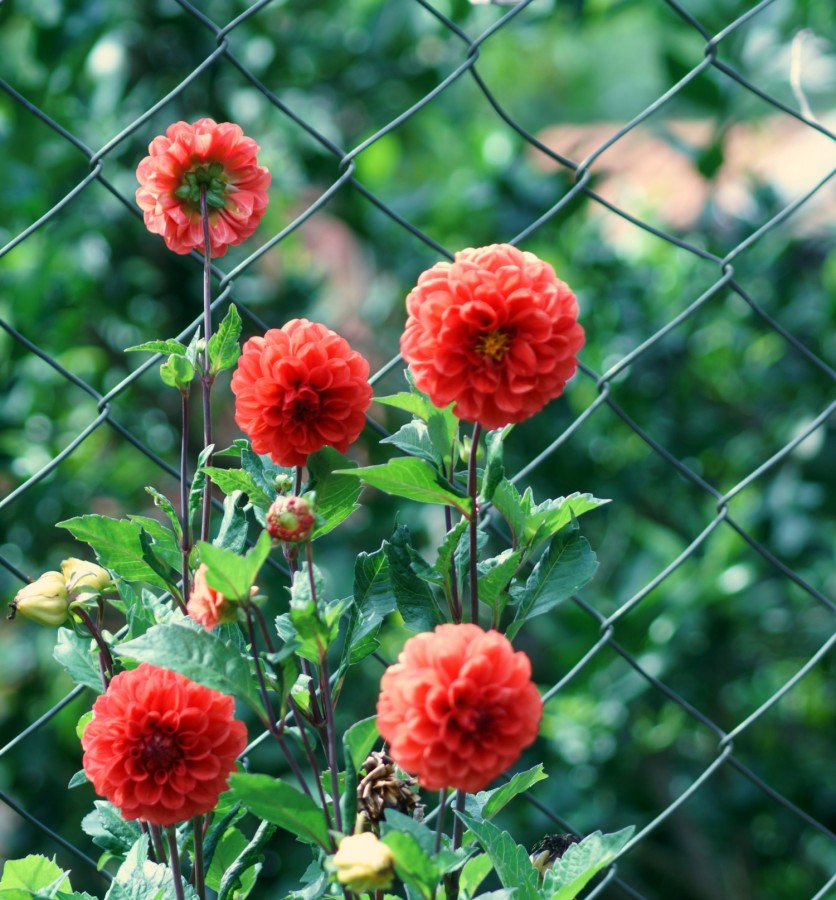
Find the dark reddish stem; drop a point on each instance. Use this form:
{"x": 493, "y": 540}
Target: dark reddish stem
{"x": 474, "y": 523}
{"x": 207, "y": 377}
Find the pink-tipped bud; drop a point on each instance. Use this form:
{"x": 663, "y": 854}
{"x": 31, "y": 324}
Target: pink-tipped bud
{"x": 44, "y": 601}
{"x": 290, "y": 519}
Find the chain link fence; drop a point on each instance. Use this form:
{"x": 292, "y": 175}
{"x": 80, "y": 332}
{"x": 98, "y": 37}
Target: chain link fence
{"x": 604, "y": 628}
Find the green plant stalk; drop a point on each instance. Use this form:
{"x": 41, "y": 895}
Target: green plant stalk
{"x": 206, "y": 377}
{"x": 330, "y": 740}
{"x": 270, "y": 718}
{"x": 312, "y": 762}
{"x": 472, "y": 492}
{"x": 439, "y": 825}
{"x": 174, "y": 862}
{"x": 105, "y": 659}
{"x": 197, "y": 869}
{"x": 157, "y": 843}
{"x": 185, "y": 524}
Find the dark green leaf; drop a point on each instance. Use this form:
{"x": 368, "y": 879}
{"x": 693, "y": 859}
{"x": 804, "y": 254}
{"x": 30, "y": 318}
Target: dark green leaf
{"x": 283, "y": 805}
{"x": 413, "y": 865}
{"x": 76, "y": 655}
{"x": 486, "y": 804}
{"x": 443, "y": 429}
{"x": 177, "y": 372}
{"x": 199, "y": 655}
{"x": 162, "y": 502}
{"x": 494, "y": 575}
{"x": 414, "y": 439}
{"x": 549, "y": 517}
{"x": 508, "y": 502}
{"x": 166, "y": 546}
{"x": 413, "y": 479}
{"x": 231, "y": 574}
{"x": 494, "y": 470}
{"x": 509, "y": 858}
{"x": 223, "y": 345}
{"x": 167, "y": 348}
{"x": 416, "y": 404}
{"x": 231, "y": 480}
{"x": 415, "y": 599}
{"x": 117, "y": 545}
{"x": 109, "y": 830}
{"x": 374, "y": 599}
{"x": 582, "y": 861}
{"x": 564, "y": 569}
{"x": 336, "y": 493}
{"x": 264, "y": 471}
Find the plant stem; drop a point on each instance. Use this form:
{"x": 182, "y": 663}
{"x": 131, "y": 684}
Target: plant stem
{"x": 105, "y": 660}
{"x": 157, "y": 842}
{"x": 197, "y": 870}
{"x": 330, "y": 742}
{"x": 439, "y": 825}
{"x": 174, "y": 862}
{"x": 474, "y": 523}
{"x": 272, "y": 725}
{"x": 458, "y": 826}
{"x": 207, "y": 377}
{"x": 311, "y": 760}
{"x": 185, "y": 524}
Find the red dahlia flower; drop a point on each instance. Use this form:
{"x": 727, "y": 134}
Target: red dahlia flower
{"x": 208, "y": 606}
{"x": 458, "y": 707}
{"x": 207, "y": 154}
{"x": 299, "y": 388}
{"x": 161, "y": 747}
{"x": 495, "y": 331}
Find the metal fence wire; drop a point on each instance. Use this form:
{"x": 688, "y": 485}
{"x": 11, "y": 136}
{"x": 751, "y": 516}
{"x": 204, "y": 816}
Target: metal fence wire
{"x": 580, "y": 173}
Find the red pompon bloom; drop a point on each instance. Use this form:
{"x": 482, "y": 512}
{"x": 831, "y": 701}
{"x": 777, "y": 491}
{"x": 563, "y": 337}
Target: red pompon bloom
{"x": 207, "y": 154}
{"x": 299, "y": 388}
{"x": 495, "y": 331}
{"x": 160, "y": 747}
{"x": 458, "y": 707}
{"x": 208, "y": 606}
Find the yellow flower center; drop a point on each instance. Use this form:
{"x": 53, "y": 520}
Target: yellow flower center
{"x": 494, "y": 344}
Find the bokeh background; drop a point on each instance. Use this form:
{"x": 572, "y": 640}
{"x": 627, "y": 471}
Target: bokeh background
{"x": 701, "y": 237}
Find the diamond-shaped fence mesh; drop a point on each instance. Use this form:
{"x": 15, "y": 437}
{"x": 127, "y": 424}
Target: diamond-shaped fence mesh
{"x": 687, "y": 688}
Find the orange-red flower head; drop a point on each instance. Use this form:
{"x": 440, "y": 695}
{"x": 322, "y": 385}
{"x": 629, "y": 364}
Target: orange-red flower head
{"x": 161, "y": 747}
{"x": 495, "y": 331}
{"x": 206, "y": 154}
{"x": 208, "y": 606}
{"x": 458, "y": 707}
{"x": 299, "y": 388}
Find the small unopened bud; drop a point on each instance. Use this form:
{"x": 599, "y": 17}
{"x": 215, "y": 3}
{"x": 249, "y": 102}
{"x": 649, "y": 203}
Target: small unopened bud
{"x": 44, "y": 601}
{"x": 290, "y": 519}
{"x": 545, "y": 853}
{"x": 88, "y": 576}
{"x": 363, "y": 863}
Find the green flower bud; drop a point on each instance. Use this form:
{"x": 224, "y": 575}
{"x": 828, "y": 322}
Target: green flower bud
{"x": 79, "y": 573}
{"x": 44, "y": 601}
{"x": 363, "y": 863}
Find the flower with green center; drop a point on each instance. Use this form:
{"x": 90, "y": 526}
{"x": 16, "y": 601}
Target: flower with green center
{"x": 189, "y": 160}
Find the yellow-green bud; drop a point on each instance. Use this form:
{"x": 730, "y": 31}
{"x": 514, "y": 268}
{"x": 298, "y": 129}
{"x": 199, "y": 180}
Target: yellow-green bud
{"x": 44, "y": 601}
{"x": 363, "y": 863}
{"x": 87, "y": 575}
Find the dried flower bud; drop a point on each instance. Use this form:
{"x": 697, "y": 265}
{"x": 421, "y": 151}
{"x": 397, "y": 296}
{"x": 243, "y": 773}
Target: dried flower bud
{"x": 383, "y": 787}
{"x": 290, "y": 519}
{"x": 545, "y": 853}
{"x": 363, "y": 863}
{"x": 79, "y": 573}
{"x": 44, "y": 601}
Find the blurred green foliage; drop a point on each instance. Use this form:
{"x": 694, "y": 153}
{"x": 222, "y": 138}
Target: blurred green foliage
{"x": 722, "y": 392}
